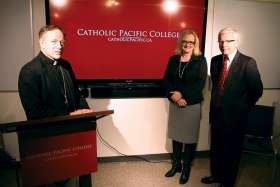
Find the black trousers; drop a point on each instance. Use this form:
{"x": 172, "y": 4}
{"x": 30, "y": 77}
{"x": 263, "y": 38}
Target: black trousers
{"x": 226, "y": 148}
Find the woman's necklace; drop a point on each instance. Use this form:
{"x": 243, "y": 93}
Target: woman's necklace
{"x": 184, "y": 60}
{"x": 181, "y": 69}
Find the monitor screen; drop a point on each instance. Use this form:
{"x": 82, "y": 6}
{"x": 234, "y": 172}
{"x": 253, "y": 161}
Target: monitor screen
{"x": 112, "y": 41}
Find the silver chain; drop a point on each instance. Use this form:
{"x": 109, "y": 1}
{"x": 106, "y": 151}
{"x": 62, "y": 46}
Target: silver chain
{"x": 64, "y": 85}
{"x": 181, "y": 69}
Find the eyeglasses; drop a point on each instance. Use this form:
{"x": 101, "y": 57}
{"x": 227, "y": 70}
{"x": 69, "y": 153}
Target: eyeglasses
{"x": 226, "y": 41}
{"x": 188, "y": 42}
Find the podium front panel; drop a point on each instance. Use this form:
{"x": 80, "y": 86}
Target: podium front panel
{"x": 57, "y": 153}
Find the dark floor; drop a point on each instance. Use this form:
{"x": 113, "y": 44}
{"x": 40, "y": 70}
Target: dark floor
{"x": 255, "y": 171}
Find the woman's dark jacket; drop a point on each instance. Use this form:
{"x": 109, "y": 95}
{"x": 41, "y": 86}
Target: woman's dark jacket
{"x": 193, "y": 78}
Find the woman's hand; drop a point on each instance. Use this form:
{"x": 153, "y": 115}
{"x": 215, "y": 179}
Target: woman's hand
{"x": 182, "y": 102}
{"x": 176, "y": 95}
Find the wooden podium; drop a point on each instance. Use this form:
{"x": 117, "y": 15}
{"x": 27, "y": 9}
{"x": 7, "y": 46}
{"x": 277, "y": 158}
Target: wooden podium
{"x": 57, "y": 148}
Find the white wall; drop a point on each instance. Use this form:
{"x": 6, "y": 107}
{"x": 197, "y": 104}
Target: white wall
{"x": 138, "y": 126}
{"x": 16, "y": 39}
{"x": 259, "y": 27}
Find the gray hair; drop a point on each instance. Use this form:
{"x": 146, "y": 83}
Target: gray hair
{"x": 47, "y": 28}
{"x": 230, "y": 30}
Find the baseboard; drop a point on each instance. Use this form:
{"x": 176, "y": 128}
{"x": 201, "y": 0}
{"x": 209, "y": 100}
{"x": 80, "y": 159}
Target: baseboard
{"x": 150, "y": 157}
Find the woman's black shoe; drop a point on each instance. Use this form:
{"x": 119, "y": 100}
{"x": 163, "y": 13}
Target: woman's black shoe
{"x": 175, "y": 168}
{"x": 185, "y": 175}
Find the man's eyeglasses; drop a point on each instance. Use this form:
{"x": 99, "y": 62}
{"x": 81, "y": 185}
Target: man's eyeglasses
{"x": 226, "y": 41}
{"x": 188, "y": 42}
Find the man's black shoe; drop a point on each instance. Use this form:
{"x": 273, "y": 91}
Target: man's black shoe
{"x": 209, "y": 180}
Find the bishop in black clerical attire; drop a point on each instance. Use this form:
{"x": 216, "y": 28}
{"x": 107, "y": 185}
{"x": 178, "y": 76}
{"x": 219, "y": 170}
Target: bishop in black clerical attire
{"x": 47, "y": 84}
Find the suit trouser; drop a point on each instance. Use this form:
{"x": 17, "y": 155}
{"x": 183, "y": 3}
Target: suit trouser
{"x": 226, "y": 148}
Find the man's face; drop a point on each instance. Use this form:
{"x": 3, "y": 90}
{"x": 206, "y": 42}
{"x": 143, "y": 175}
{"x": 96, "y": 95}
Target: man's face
{"x": 227, "y": 43}
{"x": 52, "y": 44}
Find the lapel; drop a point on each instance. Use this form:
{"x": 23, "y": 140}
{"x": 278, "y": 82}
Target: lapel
{"x": 217, "y": 68}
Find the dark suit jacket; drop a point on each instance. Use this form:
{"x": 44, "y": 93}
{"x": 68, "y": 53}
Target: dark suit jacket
{"x": 242, "y": 87}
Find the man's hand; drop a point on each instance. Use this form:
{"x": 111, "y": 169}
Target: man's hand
{"x": 81, "y": 111}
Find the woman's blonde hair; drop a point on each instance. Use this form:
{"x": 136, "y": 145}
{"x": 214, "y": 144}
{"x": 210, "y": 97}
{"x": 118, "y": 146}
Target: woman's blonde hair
{"x": 179, "y": 46}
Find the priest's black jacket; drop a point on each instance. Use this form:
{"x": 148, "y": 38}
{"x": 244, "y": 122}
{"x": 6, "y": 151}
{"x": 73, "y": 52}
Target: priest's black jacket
{"x": 48, "y": 88}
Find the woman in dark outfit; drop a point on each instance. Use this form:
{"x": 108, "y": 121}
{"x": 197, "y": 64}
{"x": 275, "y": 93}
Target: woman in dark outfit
{"x": 184, "y": 81}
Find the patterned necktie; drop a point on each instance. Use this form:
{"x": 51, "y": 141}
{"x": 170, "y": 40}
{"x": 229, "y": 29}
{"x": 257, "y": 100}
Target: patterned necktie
{"x": 223, "y": 74}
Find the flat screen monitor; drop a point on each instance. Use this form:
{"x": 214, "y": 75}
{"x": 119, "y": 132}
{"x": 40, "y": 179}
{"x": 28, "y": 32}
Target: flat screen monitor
{"x": 120, "y": 48}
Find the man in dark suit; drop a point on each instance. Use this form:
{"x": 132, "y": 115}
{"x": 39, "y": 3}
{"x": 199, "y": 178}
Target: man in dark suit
{"x": 236, "y": 88}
